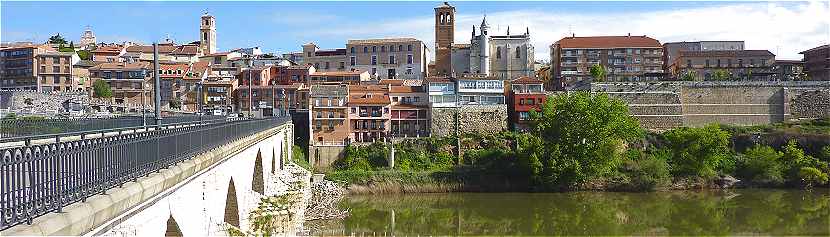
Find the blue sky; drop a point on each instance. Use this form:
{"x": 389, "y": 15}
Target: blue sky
{"x": 782, "y": 27}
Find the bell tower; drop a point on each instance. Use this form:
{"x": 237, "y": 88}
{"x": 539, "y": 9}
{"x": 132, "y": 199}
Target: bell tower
{"x": 207, "y": 32}
{"x": 444, "y": 33}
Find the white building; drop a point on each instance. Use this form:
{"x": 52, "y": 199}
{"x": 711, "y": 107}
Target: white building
{"x": 88, "y": 37}
{"x": 502, "y": 56}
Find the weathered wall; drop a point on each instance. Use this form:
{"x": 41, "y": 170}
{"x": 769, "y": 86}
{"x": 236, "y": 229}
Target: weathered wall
{"x": 322, "y": 157}
{"x": 663, "y": 105}
{"x": 471, "y": 119}
{"x": 195, "y": 193}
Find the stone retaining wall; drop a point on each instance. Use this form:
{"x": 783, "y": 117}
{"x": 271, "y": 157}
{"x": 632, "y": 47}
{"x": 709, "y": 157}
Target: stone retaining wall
{"x": 471, "y": 119}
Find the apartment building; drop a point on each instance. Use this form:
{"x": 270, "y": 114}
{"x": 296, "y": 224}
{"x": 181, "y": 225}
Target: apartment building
{"x": 171, "y": 79}
{"x": 219, "y": 87}
{"x": 817, "y": 63}
{"x": 18, "y": 67}
{"x": 526, "y": 94}
{"x": 108, "y": 53}
{"x": 626, "y": 58}
{"x": 391, "y": 58}
{"x": 369, "y": 112}
{"x": 329, "y": 60}
{"x": 55, "y": 71}
{"x": 740, "y": 64}
{"x": 410, "y": 109}
{"x": 672, "y": 49}
{"x": 338, "y": 77}
{"x": 80, "y": 75}
{"x": 441, "y": 91}
{"x": 274, "y": 99}
{"x": 287, "y": 75}
{"x": 329, "y": 115}
{"x": 192, "y": 91}
{"x": 223, "y": 59}
{"x": 127, "y": 81}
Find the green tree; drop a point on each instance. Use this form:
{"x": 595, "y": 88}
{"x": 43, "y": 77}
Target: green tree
{"x": 794, "y": 158}
{"x": 101, "y": 89}
{"x": 825, "y": 154}
{"x": 62, "y": 48}
{"x": 762, "y": 164}
{"x": 689, "y": 76}
{"x": 84, "y": 55}
{"x": 581, "y": 136}
{"x": 56, "y": 39}
{"x": 721, "y": 75}
{"x": 811, "y": 176}
{"x": 697, "y": 151}
{"x": 598, "y": 72}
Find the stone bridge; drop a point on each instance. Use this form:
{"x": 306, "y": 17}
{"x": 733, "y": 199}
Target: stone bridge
{"x": 210, "y": 193}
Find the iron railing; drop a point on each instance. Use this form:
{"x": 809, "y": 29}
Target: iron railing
{"x": 15, "y": 128}
{"x": 38, "y": 179}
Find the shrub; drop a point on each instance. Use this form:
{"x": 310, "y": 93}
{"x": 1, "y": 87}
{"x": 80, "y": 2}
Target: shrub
{"x": 647, "y": 171}
{"x": 825, "y": 154}
{"x": 794, "y": 158}
{"x": 298, "y": 156}
{"x": 811, "y": 176}
{"x": 365, "y": 158}
{"x": 697, "y": 151}
{"x": 761, "y": 164}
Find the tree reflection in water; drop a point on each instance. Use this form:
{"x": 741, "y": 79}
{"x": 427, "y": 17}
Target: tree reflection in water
{"x": 734, "y": 212}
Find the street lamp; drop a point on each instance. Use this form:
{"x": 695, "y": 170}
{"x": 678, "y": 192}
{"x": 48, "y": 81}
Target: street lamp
{"x": 143, "y": 91}
{"x": 250, "y": 89}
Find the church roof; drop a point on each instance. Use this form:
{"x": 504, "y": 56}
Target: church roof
{"x": 609, "y": 42}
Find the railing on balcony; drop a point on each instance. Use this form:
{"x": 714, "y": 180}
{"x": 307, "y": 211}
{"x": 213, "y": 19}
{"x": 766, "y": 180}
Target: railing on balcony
{"x": 39, "y": 179}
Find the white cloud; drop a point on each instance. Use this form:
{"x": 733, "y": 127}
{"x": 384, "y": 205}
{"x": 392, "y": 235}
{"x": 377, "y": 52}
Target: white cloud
{"x": 783, "y": 28}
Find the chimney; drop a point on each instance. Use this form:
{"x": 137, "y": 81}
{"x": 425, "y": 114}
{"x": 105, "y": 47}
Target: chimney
{"x": 629, "y": 35}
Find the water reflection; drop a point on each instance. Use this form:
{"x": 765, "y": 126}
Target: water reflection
{"x": 738, "y": 212}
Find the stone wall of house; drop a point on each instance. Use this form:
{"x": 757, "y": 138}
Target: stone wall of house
{"x": 471, "y": 119}
{"x": 809, "y": 103}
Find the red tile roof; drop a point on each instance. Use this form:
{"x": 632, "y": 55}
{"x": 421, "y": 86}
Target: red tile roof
{"x": 186, "y": 50}
{"x": 374, "y": 99}
{"x": 526, "y": 80}
{"x": 406, "y": 89}
{"x": 603, "y": 42}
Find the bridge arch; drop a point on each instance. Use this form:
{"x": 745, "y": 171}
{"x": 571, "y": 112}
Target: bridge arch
{"x": 172, "y": 228}
{"x": 231, "y": 206}
{"x": 258, "y": 181}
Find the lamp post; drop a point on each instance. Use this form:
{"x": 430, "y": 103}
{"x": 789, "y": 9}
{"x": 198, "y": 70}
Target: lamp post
{"x": 250, "y": 89}
{"x": 143, "y": 91}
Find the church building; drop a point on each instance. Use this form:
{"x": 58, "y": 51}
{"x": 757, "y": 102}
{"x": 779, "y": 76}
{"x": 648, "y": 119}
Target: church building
{"x": 505, "y": 57}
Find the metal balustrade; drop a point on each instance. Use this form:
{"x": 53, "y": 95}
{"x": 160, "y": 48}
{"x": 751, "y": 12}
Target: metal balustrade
{"x": 22, "y": 127}
{"x": 38, "y": 179}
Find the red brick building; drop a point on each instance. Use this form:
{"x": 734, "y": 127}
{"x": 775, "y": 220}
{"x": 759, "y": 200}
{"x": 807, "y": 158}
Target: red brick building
{"x": 287, "y": 75}
{"x": 526, "y": 94}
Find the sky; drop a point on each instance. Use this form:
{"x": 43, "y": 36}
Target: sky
{"x": 784, "y": 28}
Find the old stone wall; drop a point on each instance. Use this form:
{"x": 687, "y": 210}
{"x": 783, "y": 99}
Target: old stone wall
{"x": 471, "y": 119}
{"x": 663, "y": 105}
{"x": 33, "y": 102}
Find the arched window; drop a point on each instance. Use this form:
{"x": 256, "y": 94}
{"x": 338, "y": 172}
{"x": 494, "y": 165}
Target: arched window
{"x": 351, "y": 50}
{"x": 449, "y": 18}
{"x": 518, "y": 52}
{"x": 391, "y": 48}
{"x": 365, "y": 49}
{"x": 498, "y": 52}
{"x": 442, "y": 18}
{"x": 205, "y": 36}
{"x": 400, "y": 48}
{"x": 409, "y": 47}
{"x": 374, "y": 49}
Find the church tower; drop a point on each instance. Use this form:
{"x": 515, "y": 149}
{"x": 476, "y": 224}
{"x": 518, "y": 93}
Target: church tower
{"x": 208, "y": 34}
{"x": 444, "y": 33}
{"x": 484, "y": 43}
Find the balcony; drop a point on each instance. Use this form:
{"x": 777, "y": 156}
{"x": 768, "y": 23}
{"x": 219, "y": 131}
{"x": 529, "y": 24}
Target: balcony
{"x": 569, "y": 72}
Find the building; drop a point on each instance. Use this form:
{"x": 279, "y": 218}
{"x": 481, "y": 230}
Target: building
{"x": 18, "y": 67}
{"x": 108, "y": 53}
{"x": 739, "y": 64}
{"x": 392, "y": 58}
{"x": 441, "y": 91}
{"x": 789, "y": 70}
{"x": 171, "y": 77}
{"x": 192, "y": 91}
{"x": 478, "y": 89}
{"x": 88, "y": 38}
{"x": 817, "y": 63}
{"x": 444, "y": 35}
{"x": 369, "y": 112}
{"x": 207, "y": 32}
{"x": 625, "y": 58}
{"x": 287, "y": 75}
{"x": 410, "y": 109}
{"x": 328, "y": 60}
{"x": 55, "y": 71}
{"x": 222, "y": 59}
{"x": 506, "y": 56}
{"x": 219, "y": 88}
{"x": 274, "y": 99}
{"x": 127, "y": 81}
{"x": 296, "y": 57}
{"x": 329, "y": 123}
{"x": 169, "y": 53}
{"x": 672, "y": 49}
{"x": 339, "y": 77}
{"x": 526, "y": 94}
{"x": 80, "y": 75}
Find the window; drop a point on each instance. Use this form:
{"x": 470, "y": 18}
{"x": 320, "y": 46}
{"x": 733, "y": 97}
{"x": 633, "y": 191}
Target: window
{"x": 56, "y": 79}
{"x": 365, "y": 49}
{"x": 400, "y": 48}
{"x": 498, "y": 52}
{"x": 204, "y": 36}
{"x": 409, "y": 59}
{"x": 391, "y": 48}
{"x": 740, "y": 62}
{"x": 707, "y": 62}
{"x": 351, "y": 50}
{"x": 352, "y": 61}
{"x": 729, "y": 62}
{"x": 518, "y": 52}
{"x": 374, "y": 70}
{"x": 374, "y": 60}
{"x": 342, "y": 65}
{"x": 374, "y": 49}
{"x": 56, "y": 60}
{"x": 56, "y": 69}
{"x": 383, "y": 48}
{"x": 409, "y": 70}
{"x": 409, "y": 47}
{"x": 718, "y": 62}
{"x": 391, "y": 59}
{"x": 327, "y": 65}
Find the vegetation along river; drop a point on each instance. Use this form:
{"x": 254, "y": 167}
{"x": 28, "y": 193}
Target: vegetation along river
{"x": 711, "y": 212}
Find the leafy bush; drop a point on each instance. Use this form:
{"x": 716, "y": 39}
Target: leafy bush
{"x": 647, "y": 171}
{"x": 762, "y": 164}
{"x": 364, "y": 158}
{"x": 101, "y": 89}
{"x": 697, "y": 151}
{"x": 811, "y": 176}
{"x": 825, "y": 154}
{"x": 298, "y": 156}
{"x": 794, "y": 158}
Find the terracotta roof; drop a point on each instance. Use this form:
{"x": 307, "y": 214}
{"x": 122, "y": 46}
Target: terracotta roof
{"x": 186, "y": 50}
{"x": 602, "y": 42}
{"x": 107, "y": 49}
{"x": 406, "y": 89}
{"x": 374, "y": 99}
{"x": 394, "y": 82}
{"x": 163, "y": 48}
{"x": 383, "y": 41}
{"x": 138, "y": 65}
{"x": 197, "y": 69}
{"x": 526, "y": 80}
{"x": 218, "y": 54}
{"x": 175, "y": 68}
{"x": 363, "y": 88}
{"x": 726, "y": 53}
{"x": 816, "y": 48}
{"x": 336, "y": 73}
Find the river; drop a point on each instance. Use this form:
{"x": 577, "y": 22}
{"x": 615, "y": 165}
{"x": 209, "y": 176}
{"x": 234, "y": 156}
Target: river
{"x": 731, "y": 212}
